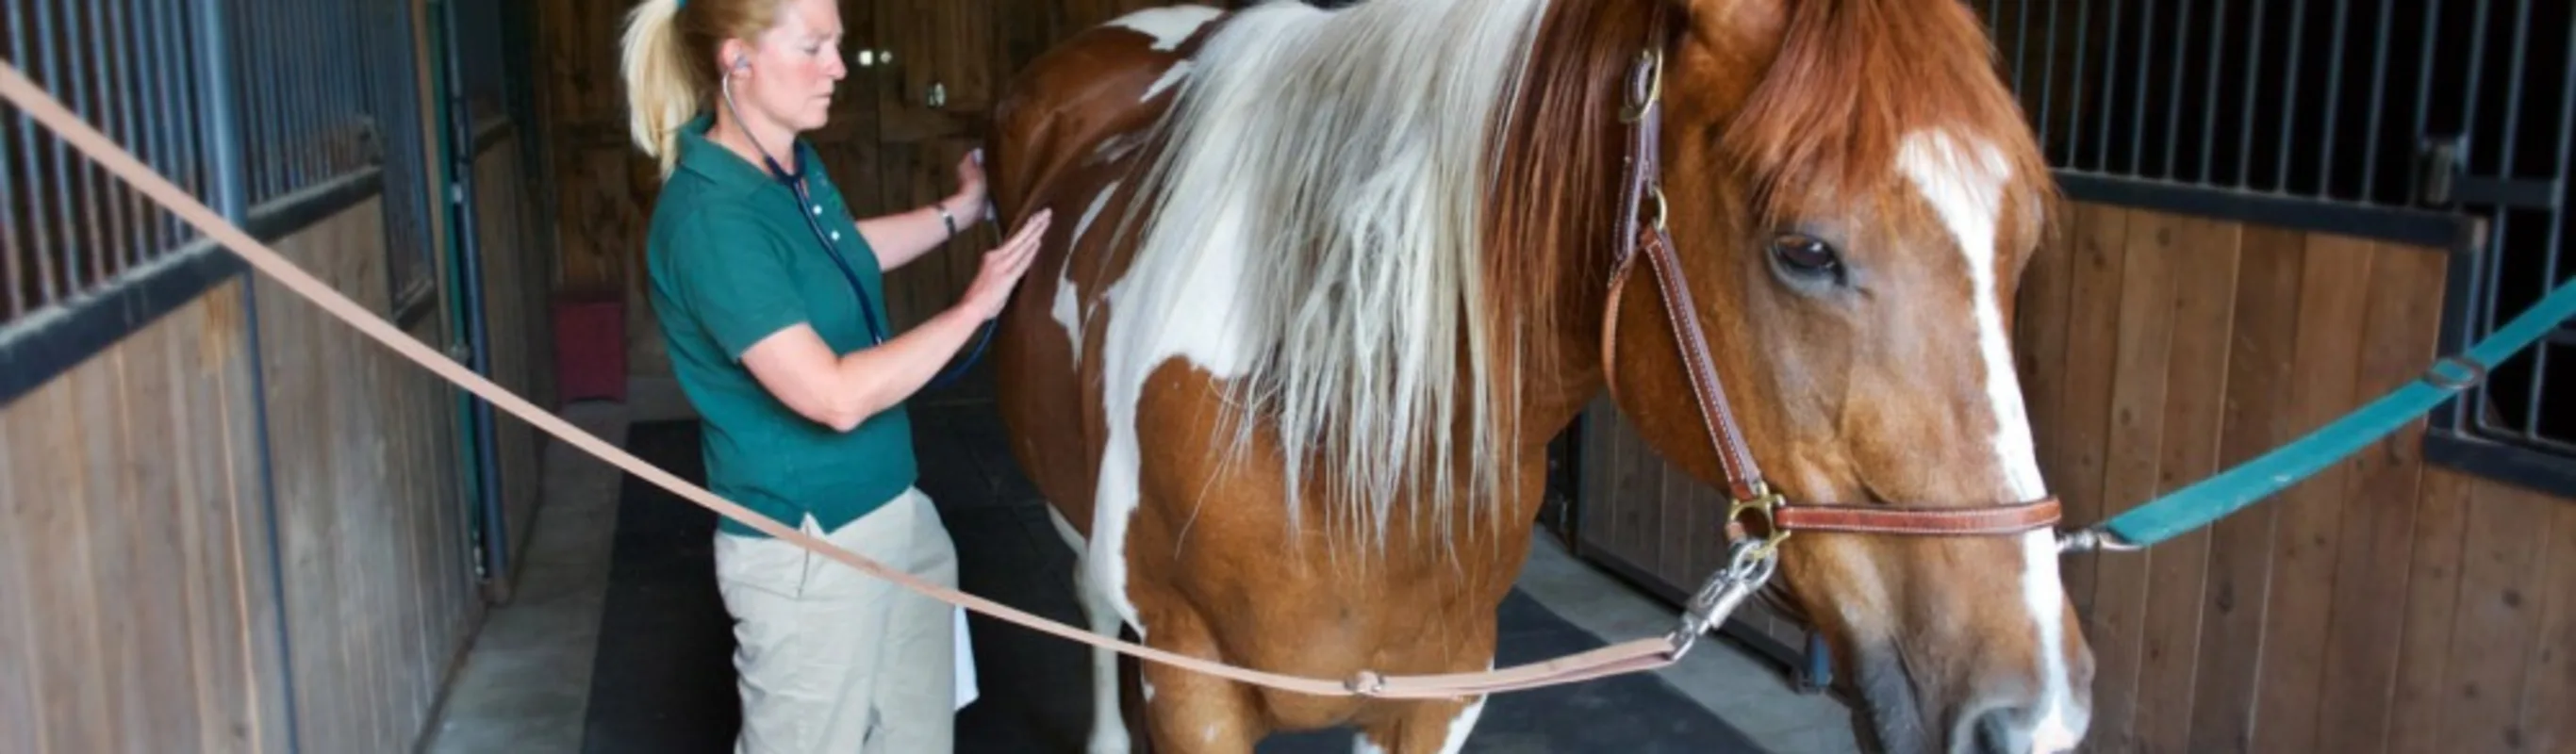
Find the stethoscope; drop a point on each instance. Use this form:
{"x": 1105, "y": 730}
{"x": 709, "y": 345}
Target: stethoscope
{"x": 812, "y": 213}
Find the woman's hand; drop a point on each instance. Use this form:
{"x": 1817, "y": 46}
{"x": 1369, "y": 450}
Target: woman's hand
{"x": 968, "y": 204}
{"x": 1002, "y": 269}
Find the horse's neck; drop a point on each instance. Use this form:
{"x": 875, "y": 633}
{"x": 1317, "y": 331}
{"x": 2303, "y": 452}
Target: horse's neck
{"x": 1561, "y": 372}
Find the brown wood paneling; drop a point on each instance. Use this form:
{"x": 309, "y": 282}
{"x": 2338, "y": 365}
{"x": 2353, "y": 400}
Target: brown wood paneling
{"x": 2117, "y": 622}
{"x": 2205, "y": 255}
{"x": 2100, "y": 254}
{"x": 2379, "y": 505}
{"x": 139, "y": 611}
{"x": 2263, "y": 343}
{"x": 2335, "y": 280}
{"x": 366, "y": 495}
{"x": 514, "y": 297}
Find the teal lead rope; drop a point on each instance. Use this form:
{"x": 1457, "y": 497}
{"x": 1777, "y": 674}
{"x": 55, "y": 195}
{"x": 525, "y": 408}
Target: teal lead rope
{"x": 2219, "y": 496}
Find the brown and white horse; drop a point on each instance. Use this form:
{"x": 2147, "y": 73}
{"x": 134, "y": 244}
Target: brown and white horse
{"x": 1334, "y": 278}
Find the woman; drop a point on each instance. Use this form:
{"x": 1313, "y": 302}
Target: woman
{"x": 756, "y": 270}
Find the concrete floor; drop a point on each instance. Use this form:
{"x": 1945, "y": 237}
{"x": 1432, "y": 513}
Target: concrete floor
{"x": 524, "y": 683}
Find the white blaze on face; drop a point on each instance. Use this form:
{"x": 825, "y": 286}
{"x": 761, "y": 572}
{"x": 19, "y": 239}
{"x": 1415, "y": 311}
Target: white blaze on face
{"x": 1169, "y": 26}
{"x": 1964, "y": 180}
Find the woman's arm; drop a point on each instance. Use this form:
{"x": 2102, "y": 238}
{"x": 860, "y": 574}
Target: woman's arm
{"x": 900, "y": 238}
{"x": 841, "y": 392}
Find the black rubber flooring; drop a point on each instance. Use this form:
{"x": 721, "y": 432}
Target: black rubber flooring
{"x": 663, "y": 679}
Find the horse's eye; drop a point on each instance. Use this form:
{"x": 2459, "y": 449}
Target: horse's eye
{"x": 1805, "y": 254}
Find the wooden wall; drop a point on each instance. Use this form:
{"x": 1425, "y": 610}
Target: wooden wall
{"x": 161, "y": 591}
{"x": 137, "y": 612}
{"x": 516, "y": 284}
{"x": 2384, "y": 605}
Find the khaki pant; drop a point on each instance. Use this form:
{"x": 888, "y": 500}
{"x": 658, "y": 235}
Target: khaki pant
{"x": 832, "y": 659}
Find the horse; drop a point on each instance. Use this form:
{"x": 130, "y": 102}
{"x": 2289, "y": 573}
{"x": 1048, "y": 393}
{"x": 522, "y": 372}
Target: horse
{"x": 1334, "y": 278}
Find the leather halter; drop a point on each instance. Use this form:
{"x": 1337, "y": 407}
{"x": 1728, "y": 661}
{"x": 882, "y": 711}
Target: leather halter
{"x": 1649, "y": 239}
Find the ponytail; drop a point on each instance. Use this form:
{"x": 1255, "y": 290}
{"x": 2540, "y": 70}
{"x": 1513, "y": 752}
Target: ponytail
{"x": 663, "y": 83}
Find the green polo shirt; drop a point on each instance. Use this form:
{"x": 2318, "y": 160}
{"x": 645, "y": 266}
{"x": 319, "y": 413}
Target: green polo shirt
{"x": 732, "y": 259}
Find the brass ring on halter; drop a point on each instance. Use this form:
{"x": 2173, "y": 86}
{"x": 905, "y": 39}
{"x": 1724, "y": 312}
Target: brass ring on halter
{"x": 2477, "y": 373}
{"x": 1663, "y": 210}
{"x": 1763, "y": 503}
{"x": 1646, "y": 87}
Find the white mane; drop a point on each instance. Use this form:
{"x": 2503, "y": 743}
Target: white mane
{"x": 1345, "y": 156}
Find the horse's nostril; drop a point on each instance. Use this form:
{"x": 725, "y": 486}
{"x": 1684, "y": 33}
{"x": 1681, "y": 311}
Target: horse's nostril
{"x": 2000, "y": 729}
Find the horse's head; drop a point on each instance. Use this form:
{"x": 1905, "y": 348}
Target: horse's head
{"x": 1851, "y": 194}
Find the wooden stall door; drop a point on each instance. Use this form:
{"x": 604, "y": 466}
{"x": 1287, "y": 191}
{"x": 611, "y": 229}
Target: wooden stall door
{"x": 932, "y": 69}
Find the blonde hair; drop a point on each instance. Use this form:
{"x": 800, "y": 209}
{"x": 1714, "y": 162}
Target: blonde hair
{"x": 669, "y": 62}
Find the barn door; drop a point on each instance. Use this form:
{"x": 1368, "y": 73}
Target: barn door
{"x": 924, "y": 73}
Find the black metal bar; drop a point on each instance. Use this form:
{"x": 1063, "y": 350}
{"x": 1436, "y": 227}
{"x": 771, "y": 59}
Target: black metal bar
{"x": 2512, "y": 126}
{"x": 267, "y": 103}
{"x": 2536, "y": 397}
{"x": 2075, "y": 82}
{"x": 2253, "y": 89}
{"x": 2424, "y": 96}
{"x": 192, "y": 108}
{"x": 57, "y": 76}
{"x": 2523, "y": 193}
{"x": 2505, "y": 462}
{"x": 158, "y": 144}
{"x": 111, "y": 256}
{"x": 2391, "y": 224}
{"x": 2048, "y": 79}
{"x": 285, "y": 216}
{"x": 349, "y": 153}
{"x": 49, "y": 348}
{"x": 2138, "y": 115}
{"x": 313, "y": 107}
{"x": 2334, "y": 101}
{"x": 13, "y": 272}
{"x": 2379, "y": 100}
{"x": 2209, "y": 100}
{"x": 2110, "y": 72}
{"x": 2021, "y": 46}
{"x": 469, "y": 259}
{"x": 2477, "y": 80}
{"x": 95, "y": 186}
{"x": 2459, "y": 323}
{"x": 38, "y": 237}
{"x": 2173, "y": 89}
{"x": 2290, "y": 98}
{"x": 225, "y": 183}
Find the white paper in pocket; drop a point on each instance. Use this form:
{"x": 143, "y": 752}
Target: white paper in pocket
{"x": 966, "y": 691}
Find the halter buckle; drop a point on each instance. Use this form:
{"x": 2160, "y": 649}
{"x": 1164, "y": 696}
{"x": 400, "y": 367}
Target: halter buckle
{"x": 1645, "y": 87}
{"x": 1763, "y": 504}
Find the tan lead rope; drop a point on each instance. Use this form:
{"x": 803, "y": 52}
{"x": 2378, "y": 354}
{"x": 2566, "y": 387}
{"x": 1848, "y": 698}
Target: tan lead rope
{"x": 1628, "y": 657}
